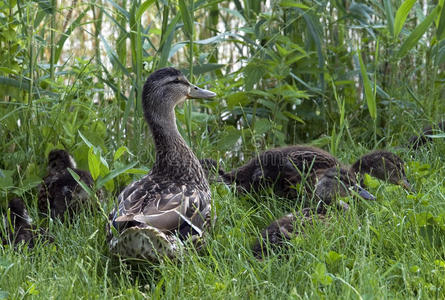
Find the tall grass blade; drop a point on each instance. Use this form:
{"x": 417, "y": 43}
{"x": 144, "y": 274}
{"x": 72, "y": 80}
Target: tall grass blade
{"x": 401, "y": 15}
{"x": 144, "y": 6}
{"x": 67, "y": 33}
{"x": 186, "y": 18}
{"x": 389, "y": 13}
{"x": 441, "y": 27}
{"x": 369, "y": 94}
{"x": 416, "y": 34}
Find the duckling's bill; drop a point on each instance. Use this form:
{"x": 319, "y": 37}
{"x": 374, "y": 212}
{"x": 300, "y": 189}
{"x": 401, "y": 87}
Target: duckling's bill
{"x": 363, "y": 193}
{"x": 406, "y": 185}
{"x": 198, "y": 93}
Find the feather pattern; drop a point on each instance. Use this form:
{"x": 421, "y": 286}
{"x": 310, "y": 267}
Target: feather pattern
{"x": 172, "y": 203}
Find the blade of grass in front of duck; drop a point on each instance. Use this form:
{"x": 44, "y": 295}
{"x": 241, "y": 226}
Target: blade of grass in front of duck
{"x": 369, "y": 94}
{"x": 187, "y": 19}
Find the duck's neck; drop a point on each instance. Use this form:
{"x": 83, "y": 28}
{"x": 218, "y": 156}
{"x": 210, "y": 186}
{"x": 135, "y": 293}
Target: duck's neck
{"x": 173, "y": 157}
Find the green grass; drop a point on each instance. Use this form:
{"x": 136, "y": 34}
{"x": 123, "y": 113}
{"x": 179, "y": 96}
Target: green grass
{"x": 284, "y": 74}
{"x": 390, "y": 248}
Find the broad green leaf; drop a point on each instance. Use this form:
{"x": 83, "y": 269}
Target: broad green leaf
{"x": 293, "y": 117}
{"x": 176, "y": 48}
{"x": 401, "y": 15}
{"x": 262, "y": 126}
{"x": 186, "y": 18}
{"x": 114, "y": 173}
{"x": 87, "y": 142}
{"x": 144, "y": 6}
{"x": 416, "y": 34}
{"x": 369, "y": 95}
{"x": 93, "y": 164}
{"x": 119, "y": 152}
{"x": 85, "y": 187}
{"x": 293, "y": 3}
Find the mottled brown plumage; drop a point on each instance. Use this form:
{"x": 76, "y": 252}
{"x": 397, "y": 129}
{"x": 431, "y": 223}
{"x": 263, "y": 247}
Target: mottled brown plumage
{"x": 18, "y": 226}
{"x": 60, "y": 190}
{"x": 281, "y": 167}
{"x": 383, "y": 165}
{"x": 172, "y": 202}
{"x": 281, "y": 231}
{"x": 284, "y": 168}
{"x": 416, "y": 141}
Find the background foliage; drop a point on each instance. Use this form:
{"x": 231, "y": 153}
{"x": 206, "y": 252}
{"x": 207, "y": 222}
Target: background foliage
{"x": 330, "y": 73}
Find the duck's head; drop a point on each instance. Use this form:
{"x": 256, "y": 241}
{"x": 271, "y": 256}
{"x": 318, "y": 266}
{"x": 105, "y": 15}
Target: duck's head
{"x": 18, "y": 211}
{"x": 383, "y": 165}
{"x": 166, "y": 88}
{"x": 59, "y": 160}
{"x": 337, "y": 181}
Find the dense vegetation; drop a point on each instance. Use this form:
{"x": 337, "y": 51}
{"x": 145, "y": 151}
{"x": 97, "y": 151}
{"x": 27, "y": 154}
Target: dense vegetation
{"x": 345, "y": 76}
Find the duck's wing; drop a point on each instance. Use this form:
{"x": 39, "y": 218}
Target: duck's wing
{"x": 163, "y": 205}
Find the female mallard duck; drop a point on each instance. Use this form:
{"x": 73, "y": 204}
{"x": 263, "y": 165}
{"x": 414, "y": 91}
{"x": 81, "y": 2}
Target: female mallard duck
{"x": 173, "y": 201}
{"x": 417, "y": 141}
{"x": 284, "y": 168}
{"x": 60, "y": 192}
{"x": 331, "y": 183}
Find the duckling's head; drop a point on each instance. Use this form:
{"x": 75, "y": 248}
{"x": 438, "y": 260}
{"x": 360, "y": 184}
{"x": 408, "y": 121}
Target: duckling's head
{"x": 166, "y": 88}
{"x": 18, "y": 211}
{"x": 337, "y": 181}
{"x": 383, "y": 165}
{"x": 59, "y": 160}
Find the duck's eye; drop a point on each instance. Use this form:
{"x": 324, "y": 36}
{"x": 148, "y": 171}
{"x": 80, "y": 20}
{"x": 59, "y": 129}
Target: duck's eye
{"x": 178, "y": 81}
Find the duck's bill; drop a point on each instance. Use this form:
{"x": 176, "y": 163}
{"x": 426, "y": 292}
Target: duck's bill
{"x": 198, "y": 93}
{"x": 406, "y": 185}
{"x": 363, "y": 193}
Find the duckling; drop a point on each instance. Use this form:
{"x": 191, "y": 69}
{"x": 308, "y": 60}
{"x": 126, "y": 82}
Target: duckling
{"x": 20, "y": 229}
{"x": 416, "y": 141}
{"x": 59, "y": 189}
{"x": 282, "y": 230}
{"x": 331, "y": 182}
{"x": 284, "y": 168}
{"x": 280, "y": 167}
{"x": 383, "y": 165}
{"x": 172, "y": 203}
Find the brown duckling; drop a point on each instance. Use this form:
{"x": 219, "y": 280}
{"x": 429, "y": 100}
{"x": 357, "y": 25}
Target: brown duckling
{"x": 284, "y": 168}
{"x": 172, "y": 203}
{"x": 416, "y": 141}
{"x": 383, "y": 165}
{"x": 19, "y": 228}
{"x": 331, "y": 183}
{"x": 282, "y": 230}
{"x": 281, "y": 167}
{"x": 60, "y": 190}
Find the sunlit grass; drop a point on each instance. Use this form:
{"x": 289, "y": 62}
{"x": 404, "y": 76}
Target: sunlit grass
{"x": 389, "y": 248}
